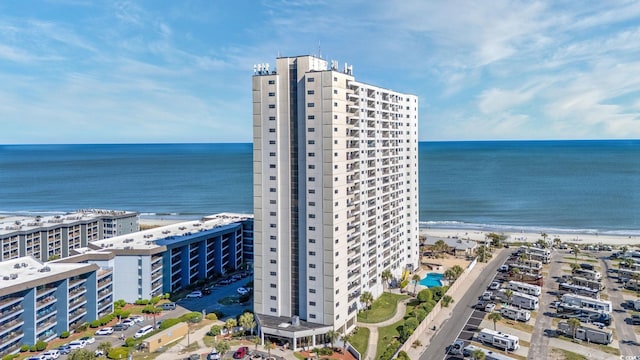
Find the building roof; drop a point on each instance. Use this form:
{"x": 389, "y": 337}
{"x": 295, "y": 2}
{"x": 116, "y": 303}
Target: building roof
{"x": 13, "y": 223}
{"x": 159, "y": 237}
{"x": 27, "y": 272}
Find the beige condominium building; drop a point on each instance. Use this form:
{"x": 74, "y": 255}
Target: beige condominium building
{"x": 335, "y": 195}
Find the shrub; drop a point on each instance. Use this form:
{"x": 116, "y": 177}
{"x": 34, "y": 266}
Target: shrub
{"x": 41, "y": 345}
{"x": 106, "y": 319}
{"x": 193, "y": 317}
{"x": 150, "y": 309}
{"x": 64, "y": 334}
{"x": 129, "y": 342}
{"x": 156, "y": 299}
{"x": 167, "y": 296}
{"x": 118, "y": 353}
{"x": 219, "y": 314}
{"x": 10, "y": 356}
{"x": 168, "y": 323}
{"x": 425, "y": 295}
{"x": 215, "y": 330}
{"x": 420, "y": 314}
{"x": 122, "y": 314}
{"x": 82, "y": 327}
{"x": 212, "y": 316}
{"x": 32, "y": 348}
{"x": 24, "y": 348}
{"x": 119, "y": 304}
{"x": 94, "y": 324}
{"x": 402, "y": 355}
{"x": 142, "y": 302}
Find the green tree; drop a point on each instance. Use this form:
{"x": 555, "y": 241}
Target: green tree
{"x": 222, "y": 347}
{"x": 508, "y": 293}
{"x": 105, "y": 346}
{"x": 574, "y": 267}
{"x": 450, "y": 275}
{"x": 446, "y": 300}
{"x": 81, "y": 354}
{"x": 478, "y": 354}
{"x": 576, "y": 251}
{"x": 248, "y": 321}
{"x": 230, "y": 324}
{"x": 483, "y": 253}
{"x": 574, "y": 324}
{"x": 333, "y": 336}
{"x": 458, "y": 270}
{"x": 386, "y": 277}
{"x": 256, "y": 341}
{"x": 495, "y": 317}
{"x": 425, "y": 295}
{"x": 269, "y": 346}
{"x": 346, "y": 338}
{"x": 416, "y": 280}
{"x": 366, "y": 298}
{"x": 557, "y": 242}
{"x": 440, "y": 247}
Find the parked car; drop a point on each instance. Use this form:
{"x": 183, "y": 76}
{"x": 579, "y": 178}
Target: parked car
{"x": 98, "y": 353}
{"x": 213, "y": 355}
{"x": 490, "y": 307}
{"x": 128, "y": 322}
{"x": 494, "y": 285}
{"x": 64, "y": 349}
{"x": 635, "y": 319}
{"x": 554, "y": 304}
{"x": 88, "y": 340}
{"x": 169, "y": 306}
{"x": 206, "y": 290}
{"x": 105, "y": 331}
{"x": 242, "y": 291}
{"x": 137, "y": 318}
{"x": 487, "y": 295}
{"x": 51, "y": 354}
{"x": 120, "y": 327}
{"x": 241, "y": 352}
{"x": 77, "y": 344}
{"x": 503, "y": 268}
{"x": 194, "y": 294}
{"x": 37, "y": 357}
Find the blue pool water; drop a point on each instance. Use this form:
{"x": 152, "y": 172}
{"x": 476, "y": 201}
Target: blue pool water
{"x": 431, "y": 280}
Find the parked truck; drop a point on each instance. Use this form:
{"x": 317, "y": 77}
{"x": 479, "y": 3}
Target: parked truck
{"x": 586, "y": 332}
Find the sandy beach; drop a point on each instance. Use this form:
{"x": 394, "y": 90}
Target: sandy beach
{"x": 569, "y": 238}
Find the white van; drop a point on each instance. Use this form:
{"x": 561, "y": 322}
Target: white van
{"x": 143, "y": 331}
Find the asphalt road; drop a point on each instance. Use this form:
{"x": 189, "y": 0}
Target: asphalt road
{"x": 453, "y": 328}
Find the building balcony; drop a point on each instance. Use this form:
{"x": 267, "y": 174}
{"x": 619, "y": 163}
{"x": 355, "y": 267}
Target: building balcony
{"x": 10, "y": 325}
{"x": 79, "y": 291}
{"x": 14, "y": 311}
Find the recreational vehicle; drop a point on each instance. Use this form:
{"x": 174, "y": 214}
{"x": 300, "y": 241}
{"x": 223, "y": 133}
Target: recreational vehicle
{"x": 587, "y": 274}
{"x": 625, "y": 275}
{"x": 528, "y": 289}
{"x": 514, "y": 313}
{"x": 499, "y": 339}
{"x": 519, "y": 299}
{"x": 587, "y": 333}
{"x": 593, "y": 284}
{"x": 587, "y": 303}
{"x": 566, "y": 288}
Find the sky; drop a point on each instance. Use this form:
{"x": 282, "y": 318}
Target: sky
{"x": 76, "y": 71}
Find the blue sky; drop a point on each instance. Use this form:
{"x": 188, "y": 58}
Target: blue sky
{"x": 76, "y": 71}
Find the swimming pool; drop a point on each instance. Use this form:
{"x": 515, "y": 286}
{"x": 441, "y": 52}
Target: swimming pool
{"x": 431, "y": 280}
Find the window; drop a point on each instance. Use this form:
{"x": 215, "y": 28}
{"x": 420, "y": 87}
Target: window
{"x": 335, "y": 91}
{"x": 272, "y": 94}
{"x": 273, "y": 261}
{"x": 312, "y": 179}
{"x": 311, "y": 142}
{"x": 273, "y": 286}
{"x": 273, "y": 226}
{"x": 272, "y": 202}
{"x": 312, "y": 266}
{"x": 310, "y": 79}
{"x": 312, "y": 154}
{"x": 272, "y": 142}
{"x": 312, "y": 303}
{"x": 310, "y": 92}
{"x": 311, "y": 117}
{"x": 272, "y": 190}
{"x": 312, "y": 203}
{"x": 312, "y": 130}
{"x": 272, "y": 130}
{"x": 272, "y": 213}
{"x": 272, "y": 177}
{"x": 311, "y": 104}
{"x": 272, "y": 82}
{"x": 335, "y": 104}
{"x": 312, "y": 228}
{"x": 312, "y": 253}
{"x": 272, "y": 154}
{"x": 312, "y": 316}
{"x": 272, "y": 117}
{"x": 312, "y": 278}
{"x": 312, "y": 191}
{"x": 311, "y": 167}
{"x": 312, "y": 241}
{"x": 312, "y": 291}
{"x": 273, "y": 297}
{"x": 273, "y": 310}
{"x": 312, "y": 216}
{"x": 272, "y": 249}
{"x": 272, "y": 273}
{"x": 272, "y": 166}
{"x": 272, "y": 106}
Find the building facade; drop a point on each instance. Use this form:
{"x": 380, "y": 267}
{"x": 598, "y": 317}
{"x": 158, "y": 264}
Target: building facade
{"x": 335, "y": 195}
{"x": 53, "y": 237}
{"x": 39, "y": 301}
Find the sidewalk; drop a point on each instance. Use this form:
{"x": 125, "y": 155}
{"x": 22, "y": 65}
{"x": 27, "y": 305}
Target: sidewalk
{"x": 445, "y": 313}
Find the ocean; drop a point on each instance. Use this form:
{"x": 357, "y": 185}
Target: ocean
{"x": 552, "y": 186}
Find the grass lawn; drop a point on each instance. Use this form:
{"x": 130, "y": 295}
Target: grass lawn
{"x": 567, "y": 355}
{"x": 604, "y": 348}
{"x": 382, "y": 309}
{"x": 360, "y": 340}
{"x": 386, "y": 335}
{"x": 517, "y": 325}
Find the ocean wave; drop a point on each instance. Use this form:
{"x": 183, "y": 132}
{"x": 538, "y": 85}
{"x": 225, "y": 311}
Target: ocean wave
{"x": 525, "y": 229}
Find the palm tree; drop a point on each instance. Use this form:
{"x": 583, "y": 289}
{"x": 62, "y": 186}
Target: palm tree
{"x": 458, "y": 270}
{"x": 544, "y": 236}
{"x": 574, "y": 267}
{"x": 574, "y": 324}
{"x": 576, "y": 251}
{"x": 522, "y": 258}
{"x": 483, "y": 253}
{"x": 269, "y": 346}
{"x": 528, "y": 245}
{"x": 450, "y": 275}
{"x": 495, "y": 317}
{"x": 386, "y": 276}
{"x": 222, "y": 347}
{"x": 478, "y": 354}
{"x": 256, "y": 341}
{"x": 628, "y": 262}
{"x": 508, "y": 293}
{"x": 366, "y": 298}
{"x": 346, "y": 338}
{"x": 516, "y": 271}
{"x": 440, "y": 246}
{"x": 230, "y": 324}
{"x": 557, "y": 242}
{"x": 247, "y": 321}
{"x": 333, "y": 336}
{"x": 415, "y": 278}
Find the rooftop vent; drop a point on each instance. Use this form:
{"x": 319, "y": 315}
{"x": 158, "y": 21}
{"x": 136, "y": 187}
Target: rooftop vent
{"x": 45, "y": 269}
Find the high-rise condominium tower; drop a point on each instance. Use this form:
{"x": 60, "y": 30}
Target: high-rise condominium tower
{"x": 335, "y": 195}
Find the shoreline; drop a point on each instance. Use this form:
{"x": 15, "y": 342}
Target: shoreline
{"x": 569, "y": 238}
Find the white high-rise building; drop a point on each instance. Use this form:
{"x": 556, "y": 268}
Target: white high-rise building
{"x": 335, "y": 195}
